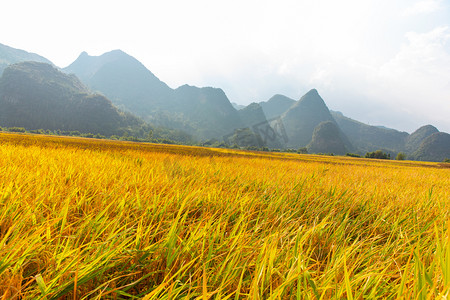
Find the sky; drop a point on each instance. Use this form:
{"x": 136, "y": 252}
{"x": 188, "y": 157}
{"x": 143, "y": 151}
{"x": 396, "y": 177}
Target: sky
{"x": 382, "y": 62}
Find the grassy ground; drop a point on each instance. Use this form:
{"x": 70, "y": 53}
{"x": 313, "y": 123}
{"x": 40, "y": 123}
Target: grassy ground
{"x": 84, "y": 219}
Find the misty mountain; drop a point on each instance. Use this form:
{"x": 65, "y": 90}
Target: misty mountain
{"x": 416, "y": 138}
{"x": 363, "y": 137}
{"x": 255, "y": 120}
{"x": 276, "y": 106}
{"x": 244, "y": 137}
{"x": 124, "y": 80}
{"x": 327, "y": 138}
{"x": 252, "y": 115}
{"x": 367, "y": 138}
{"x": 207, "y": 110}
{"x": 9, "y": 55}
{"x": 435, "y": 147}
{"x": 237, "y": 106}
{"x": 36, "y": 95}
{"x": 204, "y": 112}
{"x": 301, "y": 119}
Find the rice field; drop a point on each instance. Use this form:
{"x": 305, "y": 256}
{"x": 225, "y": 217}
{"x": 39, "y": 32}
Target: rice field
{"x": 96, "y": 219}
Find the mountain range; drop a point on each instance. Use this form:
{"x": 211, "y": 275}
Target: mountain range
{"x": 205, "y": 113}
{"x": 116, "y": 94}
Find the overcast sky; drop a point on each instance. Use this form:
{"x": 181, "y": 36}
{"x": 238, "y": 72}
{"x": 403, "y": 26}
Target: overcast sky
{"x": 383, "y": 62}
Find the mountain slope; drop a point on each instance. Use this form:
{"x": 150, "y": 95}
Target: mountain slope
{"x": 237, "y": 106}
{"x": 204, "y": 112}
{"x": 436, "y": 147}
{"x": 207, "y": 110}
{"x": 368, "y": 138}
{"x": 302, "y": 117}
{"x": 252, "y": 115}
{"x": 9, "y": 55}
{"x": 38, "y": 96}
{"x": 416, "y": 138}
{"x": 276, "y": 106}
{"x": 327, "y": 138}
{"x": 123, "y": 79}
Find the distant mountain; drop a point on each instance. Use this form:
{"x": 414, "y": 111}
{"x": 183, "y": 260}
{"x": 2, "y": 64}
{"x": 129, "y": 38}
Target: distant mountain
{"x": 237, "y": 106}
{"x": 207, "y": 110}
{"x": 244, "y": 137}
{"x": 301, "y": 119}
{"x": 255, "y": 120}
{"x": 124, "y": 80}
{"x": 9, "y": 55}
{"x": 368, "y": 138}
{"x": 416, "y": 138}
{"x": 204, "y": 112}
{"x": 252, "y": 115}
{"x": 435, "y": 147}
{"x": 37, "y": 96}
{"x": 276, "y": 106}
{"x": 327, "y": 138}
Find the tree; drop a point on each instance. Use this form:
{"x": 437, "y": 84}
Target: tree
{"x": 149, "y": 136}
{"x": 16, "y": 129}
{"x": 302, "y": 150}
{"x": 401, "y": 156}
{"x": 378, "y": 155}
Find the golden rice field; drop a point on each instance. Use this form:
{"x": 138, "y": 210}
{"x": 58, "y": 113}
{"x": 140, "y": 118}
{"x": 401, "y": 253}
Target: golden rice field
{"x": 88, "y": 219}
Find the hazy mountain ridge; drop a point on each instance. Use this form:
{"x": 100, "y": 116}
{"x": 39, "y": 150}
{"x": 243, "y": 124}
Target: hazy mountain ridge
{"x": 204, "y": 112}
{"x": 303, "y": 116}
{"x": 36, "y": 95}
{"x": 366, "y": 138}
{"x": 276, "y": 106}
{"x": 356, "y": 136}
{"x": 252, "y": 114}
{"x": 237, "y": 106}
{"x": 124, "y": 80}
{"x": 9, "y": 55}
{"x": 208, "y": 114}
{"x": 207, "y": 109}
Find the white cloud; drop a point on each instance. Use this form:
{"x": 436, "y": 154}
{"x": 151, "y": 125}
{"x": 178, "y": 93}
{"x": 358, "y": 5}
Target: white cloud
{"x": 423, "y": 7}
{"x": 407, "y": 91}
{"x": 423, "y": 61}
{"x": 417, "y": 78}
